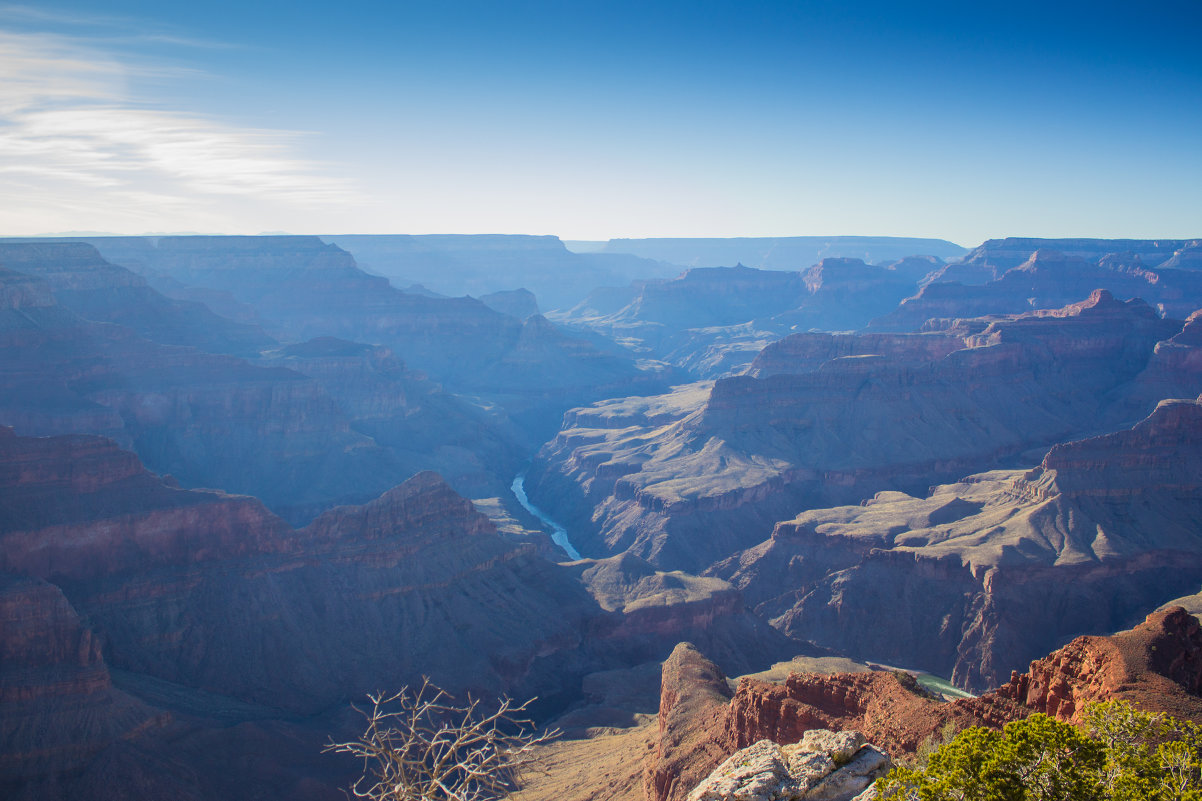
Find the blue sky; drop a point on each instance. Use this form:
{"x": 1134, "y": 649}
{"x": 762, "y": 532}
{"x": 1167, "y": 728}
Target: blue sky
{"x": 593, "y": 120}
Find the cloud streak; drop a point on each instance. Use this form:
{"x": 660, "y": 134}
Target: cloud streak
{"x": 72, "y": 128}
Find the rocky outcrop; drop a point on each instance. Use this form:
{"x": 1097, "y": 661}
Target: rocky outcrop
{"x": 1155, "y": 665}
{"x": 826, "y": 765}
{"x": 1102, "y": 531}
{"x": 692, "y": 705}
{"x": 685, "y": 493}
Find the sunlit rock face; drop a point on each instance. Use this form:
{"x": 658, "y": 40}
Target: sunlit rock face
{"x": 979, "y": 577}
{"x": 1157, "y": 665}
{"x": 690, "y": 478}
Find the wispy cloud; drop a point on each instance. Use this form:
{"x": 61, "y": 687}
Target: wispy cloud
{"x": 75, "y": 134}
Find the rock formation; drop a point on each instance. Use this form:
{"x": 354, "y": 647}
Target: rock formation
{"x": 422, "y": 426}
{"x": 712, "y": 320}
{"x": 83, "y": 282}
{"x": 210, "y": 420}
{"x": 213, "y": 611}
{"x": 1157, "y": 665}
{"x": 304, "y": 289}
{"x": 519, "y": 303}
{"x": 991, "y": 282}
{"x": 826, "y": 765}
{"x": 685, "y": 492}
{"x": 353, "y": 424}
{"x": 479, "y": 265}
{"x": 959, "y": 582}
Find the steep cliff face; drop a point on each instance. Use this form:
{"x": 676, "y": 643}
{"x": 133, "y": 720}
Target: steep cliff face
{"x": 422, "y": 426}
{"x": 58, "y": 706}
{"x": 979, "y": 577}
{"x": 300, "y": 444}
{"x": 686, "y": 492}
{"x": 78, "y": 507}
{"x": 207, "y": 605}
{"x": 692, "y": 707}
{"x": 1157, "y": 665}
{"x": 798, "y": 354}
{"x": 97, "y": 290}
{"x": 1003, "y": 254}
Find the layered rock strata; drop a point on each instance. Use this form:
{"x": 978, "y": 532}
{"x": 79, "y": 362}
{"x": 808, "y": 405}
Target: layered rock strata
{"x": 685, "y": 490}
{"x": 1155, "y": 665}
{"x": 1105, "y": 529}
{"x": 233, "y": 629}
{"x": 95, "y": 289}
{"x": 992, "y": 283}
{"x": 305, "y": 289}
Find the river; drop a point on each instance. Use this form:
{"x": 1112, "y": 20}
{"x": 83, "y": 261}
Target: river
{"x": 559, "y": 534}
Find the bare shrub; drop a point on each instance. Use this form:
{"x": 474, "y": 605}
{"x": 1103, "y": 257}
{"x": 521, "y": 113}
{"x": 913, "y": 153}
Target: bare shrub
{"x": 420, "y": 745}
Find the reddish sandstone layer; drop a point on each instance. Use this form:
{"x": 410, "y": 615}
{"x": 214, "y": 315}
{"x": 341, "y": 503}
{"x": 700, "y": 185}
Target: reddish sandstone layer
{"x": 1157, "y": 665}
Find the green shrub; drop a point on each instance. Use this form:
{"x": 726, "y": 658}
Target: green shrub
{"x": 1121, "y": 754}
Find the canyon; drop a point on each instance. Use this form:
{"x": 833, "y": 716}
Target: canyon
{"x": 245, "y": 481}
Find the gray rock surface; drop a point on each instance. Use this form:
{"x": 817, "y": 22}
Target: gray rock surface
{"x": 824, "y": 766}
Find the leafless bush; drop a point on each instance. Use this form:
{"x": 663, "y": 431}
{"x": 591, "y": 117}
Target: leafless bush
{"x": 422, "y": 746}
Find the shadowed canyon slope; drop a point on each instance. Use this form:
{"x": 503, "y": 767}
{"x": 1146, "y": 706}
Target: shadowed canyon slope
{"x": 81, "y": 281}
{"x": 354, "y": 423}
{"x": 686, "y": 483}
{"x": 202, "y": 607}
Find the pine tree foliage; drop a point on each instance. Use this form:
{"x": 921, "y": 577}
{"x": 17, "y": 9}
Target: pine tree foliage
{"x": 1121, "y": 754}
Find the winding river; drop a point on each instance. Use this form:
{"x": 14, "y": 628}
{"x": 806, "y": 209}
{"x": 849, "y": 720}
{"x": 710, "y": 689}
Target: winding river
{"x": 559, "y": 534}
